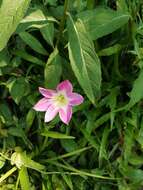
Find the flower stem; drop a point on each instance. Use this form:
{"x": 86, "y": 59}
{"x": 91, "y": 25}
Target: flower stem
{"x": 62, "y": 23}
{"x": 7, "y": 174}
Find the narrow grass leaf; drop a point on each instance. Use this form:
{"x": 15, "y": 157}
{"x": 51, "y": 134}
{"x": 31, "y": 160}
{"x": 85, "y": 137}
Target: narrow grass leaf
{"x": 56, "y": 135}
{"x": 128, "y": 142}
{"x": 103, "y": 145}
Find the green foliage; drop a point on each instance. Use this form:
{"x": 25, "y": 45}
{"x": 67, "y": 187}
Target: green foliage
{"x": 83, "y": 59}
{"x": 53, "y": 68}
{"x": 98, "y": 46}
{"x": 137, "y": 93}
{"x": 102, "y": 21}
{"x": 11, "y": 14}
{"x": 24, "y": 179}
{"x": 33, "y": 42}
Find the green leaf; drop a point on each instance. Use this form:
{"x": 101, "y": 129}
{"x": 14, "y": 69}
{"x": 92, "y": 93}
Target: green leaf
{"x": 15, "y": 131}
{"x": 139, "y": 137}
{"x": 90, "y": 4}
{"x": 33, "y": 42}
{"x": 84, "y": 61}
{"x": 104, "y": 142}
{"x": 68, "y": 181}
{"x": 19, "y": 89}
{"x": 135, "y": 160}
{"x": 4, "y": 58}
{"x": 101, "y": 21}
{"x": 137, "y": 91}
{"x": 135, "y": 175}
{"x": 91, "y": 139}
{"x": 48, "y": 33}
{"x": 51, "y": 2}
{"x": 30, "y": 118}
{"x": 24, "y": 179}
{"x": 30, "y": 58}
{"x": 31, "y": 163}
{"x": 110, "y": 50}
{"x": 35, "y": 18}
{"x": 5, "y": 113}
{"x": 11, "y": 13}
{"x": 112, "y": 101}
{"x": 128, "y": 142}
{"x": 58, "y": 183}
{"x": 37, "y": 15}
{"x": 69, "y": 145}
{"x": 53, "y": 70}
{"x": 56, "y": 135}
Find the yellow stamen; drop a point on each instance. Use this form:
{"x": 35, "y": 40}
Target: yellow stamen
{"x": 60, "y": 100}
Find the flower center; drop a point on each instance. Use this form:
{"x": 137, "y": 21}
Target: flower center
{"x": 60, "y": 100}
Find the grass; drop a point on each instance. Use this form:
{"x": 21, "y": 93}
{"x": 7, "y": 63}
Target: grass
{"x": 97, "y": 45}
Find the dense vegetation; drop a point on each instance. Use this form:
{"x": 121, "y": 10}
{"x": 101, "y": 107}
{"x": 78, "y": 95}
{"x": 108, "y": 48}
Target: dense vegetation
{"x": 98, "y": 47}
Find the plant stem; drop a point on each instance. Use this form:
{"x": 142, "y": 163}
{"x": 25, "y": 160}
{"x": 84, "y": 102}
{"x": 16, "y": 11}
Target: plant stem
{"x": 62, "y": 23}
{"x": 7, "y": 174}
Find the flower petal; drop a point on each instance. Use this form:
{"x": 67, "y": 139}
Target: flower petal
{"x": 65, "y": 114}
{"x": 42, "y": 105}
{"x": 65, "y": 86}
{"x": 48, "y": 93}
{"x": 51, "y": 113}
{"x": 75, "y": 99}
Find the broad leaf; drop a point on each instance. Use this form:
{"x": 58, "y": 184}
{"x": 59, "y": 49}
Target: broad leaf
{"x": 4, "y": 58}
{"x": 5, "y": 113}
{"x": 11, "y": 13}
{"x": 48, "y": 33}
{"x": 18, "y": 88}
{"x": 33, "y": 43}
{"x": 37, "y": 15}
{"x": 35, "y": 18}
{"x": 100, "y": 21}
{"x": 84, "y": 61}
{"x": 28, "y": 57}
{"x": 53, "y": 70}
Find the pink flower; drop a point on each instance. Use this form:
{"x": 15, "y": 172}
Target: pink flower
{"x": 59, "y": 101}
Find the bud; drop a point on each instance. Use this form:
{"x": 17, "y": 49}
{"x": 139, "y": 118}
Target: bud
{"x": 16, "y": 159}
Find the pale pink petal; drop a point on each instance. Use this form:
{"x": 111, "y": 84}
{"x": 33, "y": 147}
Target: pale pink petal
{"x": 42, "y": 105}
{"x": 48, "y": 93}
{"x": 51, "y": 113}
{"x": 65, "y": 86}
{"x": 65, "y": 114}
{"x": 75, "y": 99}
